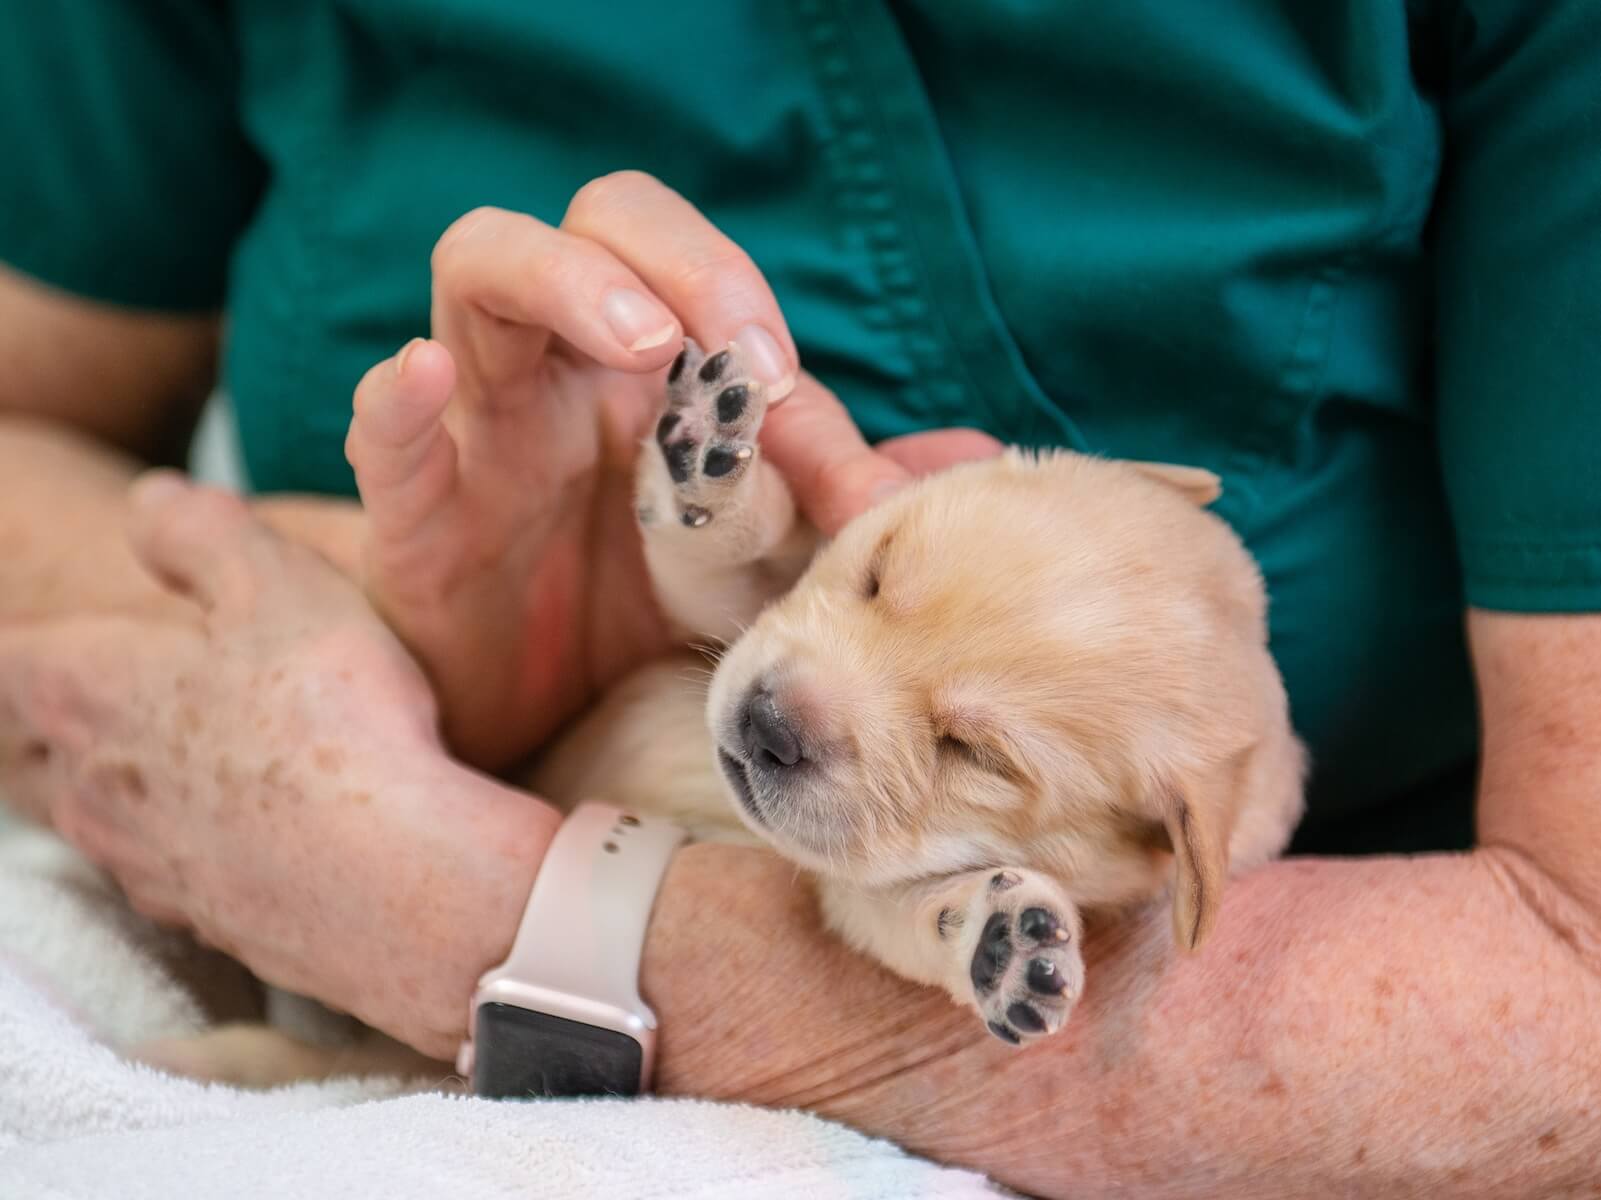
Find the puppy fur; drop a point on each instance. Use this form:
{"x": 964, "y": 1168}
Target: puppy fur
{"x": 1016, "y": 691}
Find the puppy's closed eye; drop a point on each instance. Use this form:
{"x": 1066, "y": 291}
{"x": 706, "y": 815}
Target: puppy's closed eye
{"x": 975, "y": 752}
{"x": 874, "y": 583}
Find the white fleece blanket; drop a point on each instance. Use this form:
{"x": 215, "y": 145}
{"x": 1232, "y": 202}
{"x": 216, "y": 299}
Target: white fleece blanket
{"x": 79, "y": 975}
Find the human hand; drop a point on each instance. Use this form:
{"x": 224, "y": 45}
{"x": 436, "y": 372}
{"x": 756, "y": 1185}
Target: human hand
{"x": 269, "y": 774}
{"x": 496, "y": 461}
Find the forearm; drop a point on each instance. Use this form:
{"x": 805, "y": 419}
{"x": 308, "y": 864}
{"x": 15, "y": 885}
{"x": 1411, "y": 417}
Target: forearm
{"x": 1391, "y": 1025}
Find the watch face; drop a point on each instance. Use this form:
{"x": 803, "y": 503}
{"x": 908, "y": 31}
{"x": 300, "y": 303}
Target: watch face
{"x": 524, "y": 1055}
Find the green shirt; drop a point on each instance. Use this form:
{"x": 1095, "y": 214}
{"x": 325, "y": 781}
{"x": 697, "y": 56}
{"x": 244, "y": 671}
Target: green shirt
{"x": 1347, "y": 253}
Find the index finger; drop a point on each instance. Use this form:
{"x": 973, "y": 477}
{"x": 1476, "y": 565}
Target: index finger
{"x": 691, "y": 265}
{"x": 816, "y": 446}
{"x": 834, "y": 473}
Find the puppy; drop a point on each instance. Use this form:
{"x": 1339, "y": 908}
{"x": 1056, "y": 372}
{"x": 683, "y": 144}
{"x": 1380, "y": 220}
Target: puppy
{"x": 1016, "y": 691}
{"x": 1013, "y": 693}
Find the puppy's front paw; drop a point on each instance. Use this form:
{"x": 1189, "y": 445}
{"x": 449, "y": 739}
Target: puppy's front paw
{"x": 1024, "y": 963}
{"x": 707, "y": 436}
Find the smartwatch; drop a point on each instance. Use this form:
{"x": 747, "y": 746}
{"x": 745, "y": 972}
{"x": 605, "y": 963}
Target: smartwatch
{"x": 562, "y": 1016}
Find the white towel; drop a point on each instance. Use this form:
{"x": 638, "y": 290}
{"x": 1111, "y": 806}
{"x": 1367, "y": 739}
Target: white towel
{"x": 78, "y": 974}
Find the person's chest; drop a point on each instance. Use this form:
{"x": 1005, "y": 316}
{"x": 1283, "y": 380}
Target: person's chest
{"x": 1184, "y": 232}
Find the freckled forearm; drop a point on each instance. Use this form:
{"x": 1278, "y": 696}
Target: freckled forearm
{"x": 1394, "y": 1026}
{"x": 1390, "y": 1027}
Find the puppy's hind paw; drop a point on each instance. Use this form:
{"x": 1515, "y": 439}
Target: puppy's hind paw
{"x": 1025, "y": 966}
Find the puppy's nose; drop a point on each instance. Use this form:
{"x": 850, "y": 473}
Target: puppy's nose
{"x": 770, "y": 737}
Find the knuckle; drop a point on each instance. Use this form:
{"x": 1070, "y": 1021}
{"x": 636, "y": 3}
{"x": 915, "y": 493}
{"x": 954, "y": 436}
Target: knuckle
{"x": 719, "y": 271}
{"x": 448, "y": 250}
{"x": 605, "y": 193}
{"x": 367, "y": 390}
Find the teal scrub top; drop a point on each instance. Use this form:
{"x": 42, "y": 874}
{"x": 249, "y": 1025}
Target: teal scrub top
{"x": 1347, "y": 254}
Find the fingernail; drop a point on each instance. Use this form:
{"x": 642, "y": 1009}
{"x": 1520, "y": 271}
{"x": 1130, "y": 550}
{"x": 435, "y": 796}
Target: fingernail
{"x": 767, "y": 362}
{"x": 404, "y": 356}
{"x": 638, "y": 322}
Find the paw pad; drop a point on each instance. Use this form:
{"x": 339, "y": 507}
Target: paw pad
{"x": 1025, "y": 970}
{"x": 707, "y": 436}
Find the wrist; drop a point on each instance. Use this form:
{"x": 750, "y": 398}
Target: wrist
{"x": 463, "y": 904}
{"x": 771, "y": 1008}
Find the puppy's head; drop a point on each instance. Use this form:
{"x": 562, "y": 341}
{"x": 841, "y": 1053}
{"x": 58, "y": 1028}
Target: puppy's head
{"x": 1019, "y": 661}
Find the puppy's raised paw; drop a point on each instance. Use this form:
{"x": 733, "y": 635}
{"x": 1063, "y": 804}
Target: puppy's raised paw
{"x": 707, "y": 436}
{"x": 1024, "y": 963}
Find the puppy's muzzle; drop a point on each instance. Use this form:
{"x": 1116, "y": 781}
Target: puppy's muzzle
{"x": 763, "y": 752}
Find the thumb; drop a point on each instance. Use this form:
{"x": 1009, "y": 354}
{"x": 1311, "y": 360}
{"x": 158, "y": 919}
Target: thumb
{"x": 196, "y": 540}
{"x": 829, "y": 466}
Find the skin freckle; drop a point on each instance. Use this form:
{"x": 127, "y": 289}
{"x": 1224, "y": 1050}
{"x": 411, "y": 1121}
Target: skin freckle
{"x": 1383, "y": 988}
{"x": 1361, "y": 1155}
{"x": 1273, "y": 1086}
{"x": 1502, "y": 1009}
{"x": 189, "y": 716}
{"x": 327, "y": 759}
{"x": 358, "y": 798}
{"x": 1548, "y": 1141}
{"x": 124, "y": 779}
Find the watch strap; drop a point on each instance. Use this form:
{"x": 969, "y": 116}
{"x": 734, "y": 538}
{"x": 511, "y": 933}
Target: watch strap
{"x": 574, "y": 965}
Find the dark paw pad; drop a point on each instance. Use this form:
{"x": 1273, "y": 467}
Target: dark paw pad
{"x": 1026, "y": 972}
{"x": 707, "y": 436}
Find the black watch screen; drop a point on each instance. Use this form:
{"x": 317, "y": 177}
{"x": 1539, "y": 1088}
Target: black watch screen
{"x": 525, "y": 1055}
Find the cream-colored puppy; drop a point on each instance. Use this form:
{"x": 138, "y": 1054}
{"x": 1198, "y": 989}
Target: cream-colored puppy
{"x": 1016, "y": 691}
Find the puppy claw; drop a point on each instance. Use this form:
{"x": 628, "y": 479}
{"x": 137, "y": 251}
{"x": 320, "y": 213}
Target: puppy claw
{"x": 1044, "y": 978}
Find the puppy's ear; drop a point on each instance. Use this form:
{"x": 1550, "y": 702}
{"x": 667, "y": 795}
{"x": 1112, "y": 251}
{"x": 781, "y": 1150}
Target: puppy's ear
{"x": 1200, "y": 487}
{"x": 1200, "y": 864}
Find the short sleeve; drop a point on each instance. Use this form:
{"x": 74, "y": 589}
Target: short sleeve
{"x": 1518, "y": 251}
{"x": 126, "y": 175}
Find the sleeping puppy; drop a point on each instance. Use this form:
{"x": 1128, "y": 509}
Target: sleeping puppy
{"x": 1015, "y": 692}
